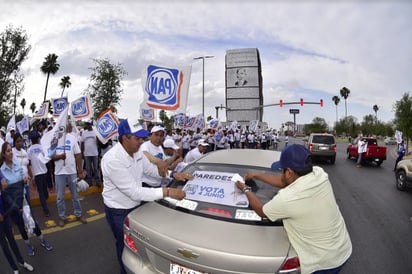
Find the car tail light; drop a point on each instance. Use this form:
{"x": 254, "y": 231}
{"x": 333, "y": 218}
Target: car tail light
{"x": 334, "y": 148}
{"x": 291, "y": 265}
{"x": 310, "y": 147}
{"x": 128, "y": 240}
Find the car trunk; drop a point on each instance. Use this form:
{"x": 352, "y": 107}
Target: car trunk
{"x": 205, "y": 244}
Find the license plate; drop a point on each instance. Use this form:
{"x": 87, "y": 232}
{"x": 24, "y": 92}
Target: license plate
{"x": 179, "y": 269}
{"x": 323, "y": 148}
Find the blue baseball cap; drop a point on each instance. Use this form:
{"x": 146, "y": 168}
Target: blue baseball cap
{"x": 296, "y": 157}
{"x": 133, "y": 127}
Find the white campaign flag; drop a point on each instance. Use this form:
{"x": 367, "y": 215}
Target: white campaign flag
{"x": 107, "y": 126}
{"x": 42, "y": 112}
{"x": 23, "y": 125}
{"x": 50, "y": 139}
{"x": 11, "y": 123}
{"x": 166, "y": 87}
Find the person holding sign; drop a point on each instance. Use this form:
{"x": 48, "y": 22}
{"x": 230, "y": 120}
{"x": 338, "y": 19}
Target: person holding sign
{"x": 307, "y": 206}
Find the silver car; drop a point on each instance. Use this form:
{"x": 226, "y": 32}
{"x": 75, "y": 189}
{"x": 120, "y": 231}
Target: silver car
{"x": 212, "y": 230}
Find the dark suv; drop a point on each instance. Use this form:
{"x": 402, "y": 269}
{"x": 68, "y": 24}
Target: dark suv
{"x": 322, "y": 146}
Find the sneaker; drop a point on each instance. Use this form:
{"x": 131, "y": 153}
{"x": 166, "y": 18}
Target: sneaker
{"x": 62, "y": 222}
{"x": 82, "y": 220}
{"x": 46, "y": 245}
{"x": 27, "y": 266}
{"x": 15, "y": 272}
{"x": 30, "y": 250}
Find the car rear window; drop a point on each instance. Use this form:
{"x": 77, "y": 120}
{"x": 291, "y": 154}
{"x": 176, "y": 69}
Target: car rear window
{"x": 323, "y": 139}
{"x": 212, "y": 194}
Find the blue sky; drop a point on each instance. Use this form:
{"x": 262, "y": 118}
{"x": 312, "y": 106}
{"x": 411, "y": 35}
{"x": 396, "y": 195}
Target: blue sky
{"x": 308, "y": 49}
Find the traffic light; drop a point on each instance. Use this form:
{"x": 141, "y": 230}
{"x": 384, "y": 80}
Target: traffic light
{"x": 281, "y": 103}
{"x": 321, "y": 102}
{"x": 301, "y": 101}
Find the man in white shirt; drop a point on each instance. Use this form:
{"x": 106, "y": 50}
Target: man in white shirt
{"x": 197, "y": 152}
{"x": 90, "y": 154}
{"x": 122, "y": 169}
{"x": 155, "y": 169}
{"x": 68, "y": 169}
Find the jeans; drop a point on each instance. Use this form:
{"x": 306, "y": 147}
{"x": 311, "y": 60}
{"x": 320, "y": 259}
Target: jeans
{"x": 6, "y": 240}
{"x": 115, "y": 218}
{"x": 41, "y": 184}
{"x": 61, "y": 181}
{"x": 359, "y": 161}
{"x": 92, "y": 162}
{"x": 17, "y": 217}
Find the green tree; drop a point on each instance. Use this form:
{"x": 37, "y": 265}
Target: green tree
{"x": 23, "y": 104}
{"x": 403, "y": 114}
{"x": 105, "y": 87}
{"x": 166, "y": 121}
{"x": 14, "y": 49}
{"x": 33, "y": 107}
{"x": 344, "y": 92}
{"x": 336, "y": 100}
{"x": 348, "y": 126}
{"x": 49, "y": 66}
{"x": 64, "y": 83}
{"x": 318, "y": 125}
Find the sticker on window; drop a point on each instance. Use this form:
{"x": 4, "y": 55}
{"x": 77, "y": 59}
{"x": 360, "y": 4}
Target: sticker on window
{"x": 215, "y": 187}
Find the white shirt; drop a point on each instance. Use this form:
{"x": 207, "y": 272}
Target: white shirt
{"x": 90, "y": 143}
{"x": 122, "y": 179}
{"x": 37, "y": 159}
{"x": 150, "y": 172}
{"x": 71, "y": 147}
{"x": 21, "y": 157}
{"x": 192, "y": 155}
{"x": 313, "y": 222}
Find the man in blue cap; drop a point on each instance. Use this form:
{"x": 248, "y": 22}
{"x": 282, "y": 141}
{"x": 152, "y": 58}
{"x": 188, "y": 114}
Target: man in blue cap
{"x": 307, "y": 206}
{"x": 122, "y": 169}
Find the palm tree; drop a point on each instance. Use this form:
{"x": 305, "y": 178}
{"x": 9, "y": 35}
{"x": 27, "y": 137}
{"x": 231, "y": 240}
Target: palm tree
{"x": 33, "y": 107}
{"x": 375, "y": 109}
{"x": 65, "y": 83}
{"x": 23, "y": 104}
{"x": 336, "y": 100}
{"x": 49, "y": 66}
{"x": 344, "y": 92}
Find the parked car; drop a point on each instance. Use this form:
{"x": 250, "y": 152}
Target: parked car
{"x": 212, "y": 230}
{"x": 374, "y": 153}
{"x": 322, "y": 146}
{"x": 403, "y": 174}
{"x": 390, "y": 141}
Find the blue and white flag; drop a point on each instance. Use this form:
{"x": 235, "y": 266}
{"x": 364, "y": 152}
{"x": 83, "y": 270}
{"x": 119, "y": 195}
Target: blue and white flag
{"x": 50, "y": 139}
{"x": 214, "y": 124}
{"x": 81, "y": 108}
{"x": 23, "y": 124}
{"x": 147, "y": 114}
{"x": 59, "y": 104}
{"x": 180, "y": 120}
{"x": 398, "y": 136}
{"x": 107, "y": 126}
{"x": 253, "y": 125}
{"x": 166, "y": 88}
{"x": 42, "y": 112}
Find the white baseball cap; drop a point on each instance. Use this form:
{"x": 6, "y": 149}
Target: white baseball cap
{"x": 169, "y": 143}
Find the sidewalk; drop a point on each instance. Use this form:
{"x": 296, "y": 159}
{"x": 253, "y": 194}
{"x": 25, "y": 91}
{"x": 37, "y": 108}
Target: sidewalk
{"x": 35, "y": 201}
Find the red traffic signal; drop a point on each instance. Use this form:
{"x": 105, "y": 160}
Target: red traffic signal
{"x": 321, "y": 102}
{"x": 281, "y": 103}
{"x": 301, "y": 101}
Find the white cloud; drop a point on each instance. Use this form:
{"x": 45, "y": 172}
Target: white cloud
{"x": 308, "y": 49}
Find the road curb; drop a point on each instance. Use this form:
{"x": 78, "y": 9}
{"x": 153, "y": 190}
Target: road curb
{"x": 35, "y": 201}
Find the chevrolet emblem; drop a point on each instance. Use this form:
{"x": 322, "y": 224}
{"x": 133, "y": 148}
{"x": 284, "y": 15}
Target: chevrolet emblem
{"x": 187, "y": 253}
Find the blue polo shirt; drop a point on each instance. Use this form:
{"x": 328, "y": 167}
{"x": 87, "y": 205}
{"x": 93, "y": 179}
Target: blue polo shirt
{"x": 13, "y": 174}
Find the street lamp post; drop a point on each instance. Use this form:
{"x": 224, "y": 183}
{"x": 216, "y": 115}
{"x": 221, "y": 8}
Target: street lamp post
{"x": 203, "y": 81}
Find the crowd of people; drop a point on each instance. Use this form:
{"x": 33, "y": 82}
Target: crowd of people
{"x": 136, "y": 167}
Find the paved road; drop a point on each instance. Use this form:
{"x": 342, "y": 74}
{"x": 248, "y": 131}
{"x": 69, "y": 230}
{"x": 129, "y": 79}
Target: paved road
{"x": 378, "y": 217}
